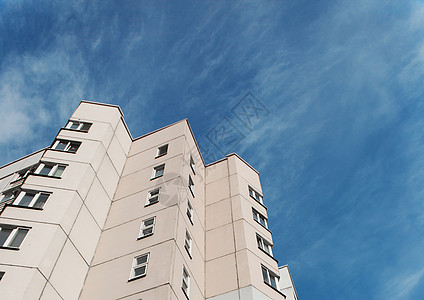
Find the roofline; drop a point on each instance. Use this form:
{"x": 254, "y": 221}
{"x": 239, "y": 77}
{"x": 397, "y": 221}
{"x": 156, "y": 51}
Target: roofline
{"x": 23, "y": 157}
{"x": 291, "y": 279}
{"x": 229, "y": 155}
{"x": 103, "y": 104}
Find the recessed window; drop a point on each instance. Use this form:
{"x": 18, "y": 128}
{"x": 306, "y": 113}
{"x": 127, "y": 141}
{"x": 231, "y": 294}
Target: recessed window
{"x": 79, "y": 126}
{"x": 158, "y": 171}
{"x": 188, "y": 242}
{"x": 50, "y": 169}
{"x": 255, "y": 195}
{"x": 12, "y": 236}
{"x": 270, "y": 278}
{"x": 162, "y": 150}
{"x": 31, "y": 199}
{"x": 264, "y": 245}
{"x": 139, "y": 267}
{"x": 153, "y": 197}
{"x": 191, "y": 185}
{"x": 192, "y": 164}
{"x": 66, "y": 146}
{"x": 261, "y": 219}
{"x": 147, "y": 227}
{"x": 190, "y": 211}
{"x": 186, "y": 282}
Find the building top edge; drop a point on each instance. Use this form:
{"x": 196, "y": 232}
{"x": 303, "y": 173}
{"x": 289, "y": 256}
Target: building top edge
{"x": 103, "y": 104}
{"x": 23, "y": 157}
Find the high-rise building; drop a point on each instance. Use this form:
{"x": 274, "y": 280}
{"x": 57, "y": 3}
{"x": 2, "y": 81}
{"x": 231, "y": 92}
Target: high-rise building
{"x": 100, "y": 215}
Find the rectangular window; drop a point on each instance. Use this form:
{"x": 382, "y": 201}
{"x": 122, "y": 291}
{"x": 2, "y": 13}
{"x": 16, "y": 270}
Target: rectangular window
{"x": 31, "y": 199}
{"x": 66, "y": 146}
{"x": 50, "y": 169}
{"x": 186, "y": 282}
{"x": 192, "y": 164}
{"x": 153, "y": 197}
{"x": 188, "y": 243}
{"x": 162, "y": 150}
{"x": 139, "y": 267}
{"x": 147, "y": 227}
{"x": 258, "y": 217}
{"x": 270, "y": 278}
{"x": 79, "y": 126}
{"x": 264, "y": 245}
{"x": 190, "y": 211}
{"x": 255, "y": 195}
{"x": 191, "y": 185}
{"x": 158, "y": 171}
{"x": 12, "y": 236}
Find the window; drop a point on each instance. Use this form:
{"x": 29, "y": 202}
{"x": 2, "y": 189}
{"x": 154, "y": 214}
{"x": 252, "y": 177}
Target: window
{"x": 188, "y": 243}
{"x": 48, "y": 169}
{"x": 190, "y": 211}
{"x": 162, "y": 150}
{"x": 186, "y": 282}
{"x": 153, "y": 197}
{"x": 255, "y": 195}
{"x": 264, "y": 245}
{"x": 191, "y": 185}
{"x": 158, "y": 171}
{"x": 147, "y": 227}
{"x": 1, "y": 275}
{"x": 260, "y": 218}
{"x": 192, "y": 164}
{"x": 139, "y": 267}
{"x": 31, "y": 199}
{"x": 66, "y": 146}
{"x": 12, "y": 236}
{"x": 80, "y": 126}
{"x": 270, "y": 278}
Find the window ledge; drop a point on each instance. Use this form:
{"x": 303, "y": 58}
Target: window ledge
{"x": 275, "y": 290}
{"x": 185, "y": 294}
{"x": 269, "y": 255}
{"x": 263, "y": 205}
{"x": 153, "y": 178}
{"x": 151, "y": 203}
{"x": 9, "y": 248}
{"x": 144, "y": 236}
{"x": 263, "y": 226}
{"x": 192, "y": 193}
{"x": 191, "y": 221}
{"x": 138, "y": 277}
{"x": 41, "y": 175}
{"x": 23, "y": 206}
{"x": 188, "y": 252}
{"x": 61, "y": 151}
{"x": 76, "y": 130}
{"x": 157, "y": 156}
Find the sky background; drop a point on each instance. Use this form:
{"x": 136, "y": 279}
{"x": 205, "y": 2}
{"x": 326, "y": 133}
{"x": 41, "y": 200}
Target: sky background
{"x": 338, "y": 139}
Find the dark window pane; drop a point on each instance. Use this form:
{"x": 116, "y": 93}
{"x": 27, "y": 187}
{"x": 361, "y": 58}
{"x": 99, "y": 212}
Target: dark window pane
{"x": 61, "y": 145}
{"x": 141, "y": 259}
{"x": 19, "y": 237}
{"x": 85, "y": 127}
{"x": 139, "y": 271}
{"x": 46, "y": 170}
{"x": 41, "y": 200}
{"x": 4, "y": 234}
{"x": 26, "y": 199}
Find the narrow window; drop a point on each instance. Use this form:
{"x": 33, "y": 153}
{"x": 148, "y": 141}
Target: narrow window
{"x": 158, "y": 171}
{"x": 31, "y": 199}
{"x": 255, "y": 195}
{"x": 79, "y": 126}
{"x": 191, "y": 185}
{"x": 190, "y": 211}
{"x": 66, "y": 146}
{"x": 264, "y": 245}
{"x": 48, "y": 169}
{"x": 139, "y": 267}
{"x": 162, "y": 150}
{"x": 270, "y": 278}
{"x": 153, "y": 197}
{"x": 186, "y": 282}
{"x": 192, "y": 164}
{"x": 188, "y": 243}
{"x": 12, "y": 236}
{"x": 258, "y": 217}
{"x": 147, "y": 227}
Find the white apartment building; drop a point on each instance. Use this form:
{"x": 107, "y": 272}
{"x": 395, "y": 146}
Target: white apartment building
{"x": 100, "y": 215}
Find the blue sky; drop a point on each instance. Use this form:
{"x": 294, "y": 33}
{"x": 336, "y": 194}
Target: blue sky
{"x": 339, "y": 139}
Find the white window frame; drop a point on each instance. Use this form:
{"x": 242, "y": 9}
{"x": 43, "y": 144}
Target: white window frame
{"x": 264, "y": 245}
{"x": 151, "y": 195}
{"x": 191, "y": 185}
{"x": 135, "y": 266}
{"x": 145, "y": 227}
{"x": 192, "y": 165}
{"x": 80, "y": 125}
{"x": 255, "y": 195}
{"x": 52, "y": 172}
{"x": 190, "y": 211}
{"x": 185, "y": 285}
{"x": 270, "y": 278}
{"x": 12, "y": 235}
{"x": 162, "y": 151}
{"x": 68, "y": 147}
{"x": 188, "y": 242}
{"x": 33, "y": 201}
{"x": 156, "y": 170}
{"x": 258, "y": 217}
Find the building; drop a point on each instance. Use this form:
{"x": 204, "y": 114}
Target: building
{"x": 100, "y": 215}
